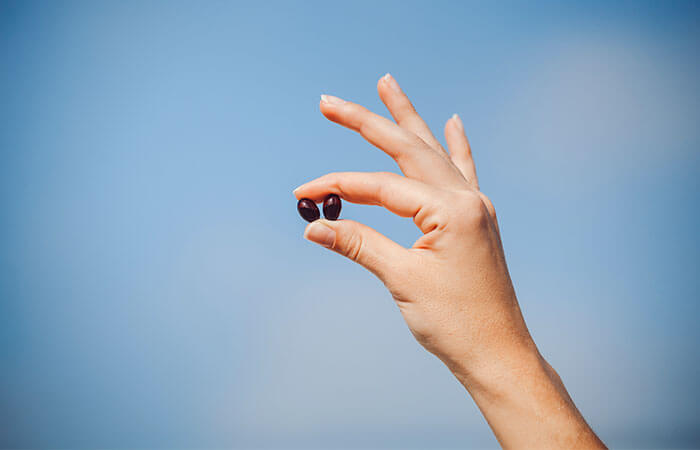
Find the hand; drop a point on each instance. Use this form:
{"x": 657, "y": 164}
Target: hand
{"x": 452, "y": 286}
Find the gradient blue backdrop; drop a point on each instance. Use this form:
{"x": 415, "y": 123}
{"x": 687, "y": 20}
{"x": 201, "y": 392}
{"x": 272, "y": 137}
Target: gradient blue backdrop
{"x": 155, "y": 287}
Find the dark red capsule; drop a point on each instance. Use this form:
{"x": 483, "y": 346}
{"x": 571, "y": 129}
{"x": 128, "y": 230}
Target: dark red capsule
{"x": 308, "y": 210}
{"x": 331, "y": 207}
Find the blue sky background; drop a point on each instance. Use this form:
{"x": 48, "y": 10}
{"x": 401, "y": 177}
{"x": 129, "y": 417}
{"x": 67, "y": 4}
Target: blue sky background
{"x": 155, "y": 287}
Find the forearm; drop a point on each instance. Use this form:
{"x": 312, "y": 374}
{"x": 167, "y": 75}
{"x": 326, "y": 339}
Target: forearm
{"x": 525, "y": 402}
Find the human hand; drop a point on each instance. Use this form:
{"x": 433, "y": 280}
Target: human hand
{"x": 452, "y": 286}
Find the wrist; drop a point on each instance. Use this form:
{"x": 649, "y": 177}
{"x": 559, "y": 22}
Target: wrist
{"x": 525, "y": 402}
{"x": 494, "y": 372}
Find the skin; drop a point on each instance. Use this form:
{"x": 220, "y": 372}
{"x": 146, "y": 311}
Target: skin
{"x": 452, "y": 286}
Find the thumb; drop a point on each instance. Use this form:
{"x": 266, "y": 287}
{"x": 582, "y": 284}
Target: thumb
{"x": 360, "y": 243}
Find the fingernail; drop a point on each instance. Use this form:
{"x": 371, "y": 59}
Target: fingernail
{"x": 458, "y": 121}
{"x": 319, "y": 233}
{"x": 331, "y": 100}
{"x": 391, "y": 82}
{"x": 297, "y": 188}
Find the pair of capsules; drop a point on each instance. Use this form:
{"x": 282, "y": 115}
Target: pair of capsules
{"x": 309, "y": 211}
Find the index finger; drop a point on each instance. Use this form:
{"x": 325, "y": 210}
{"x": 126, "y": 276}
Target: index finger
{"x": 400, "y": 195}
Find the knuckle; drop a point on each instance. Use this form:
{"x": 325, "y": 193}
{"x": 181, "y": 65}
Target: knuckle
{"x": 332, "y": 181}
{"x": 472, "y": 212}
{"x": 408, "y": 116}
{"x": 385, "y": 176}
{"x": 330, "y": 178}
{"x": 362, "y": 118}
{"x": 430, "y": 218}
{"x": 353, "y": 246}
{"x": 335, "y": 181}
{"x": 489, "y": 205}
{"x": 363, "y": 126}
{"x": 385, "y": 179}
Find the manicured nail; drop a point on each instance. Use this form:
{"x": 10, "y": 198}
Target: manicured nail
{"x": 391, "y": 82}
{"x": 320, "y": 233}
{"x": 299, "y": 187}
{"x": 331, "y": 100}
{"x": 458, "y": 121}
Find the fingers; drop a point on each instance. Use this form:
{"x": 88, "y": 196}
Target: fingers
{"x": 360, "y": 243}
{"x": 400, "y": 195}
{"x": 460, "y": 151}
{"x": 403, "y": 111}
{"x": 415, "y": 158}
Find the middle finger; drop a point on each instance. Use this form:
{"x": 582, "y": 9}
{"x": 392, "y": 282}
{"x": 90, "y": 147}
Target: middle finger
{"x": 403, "y": 112}
{"x": 415, "y": 158}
